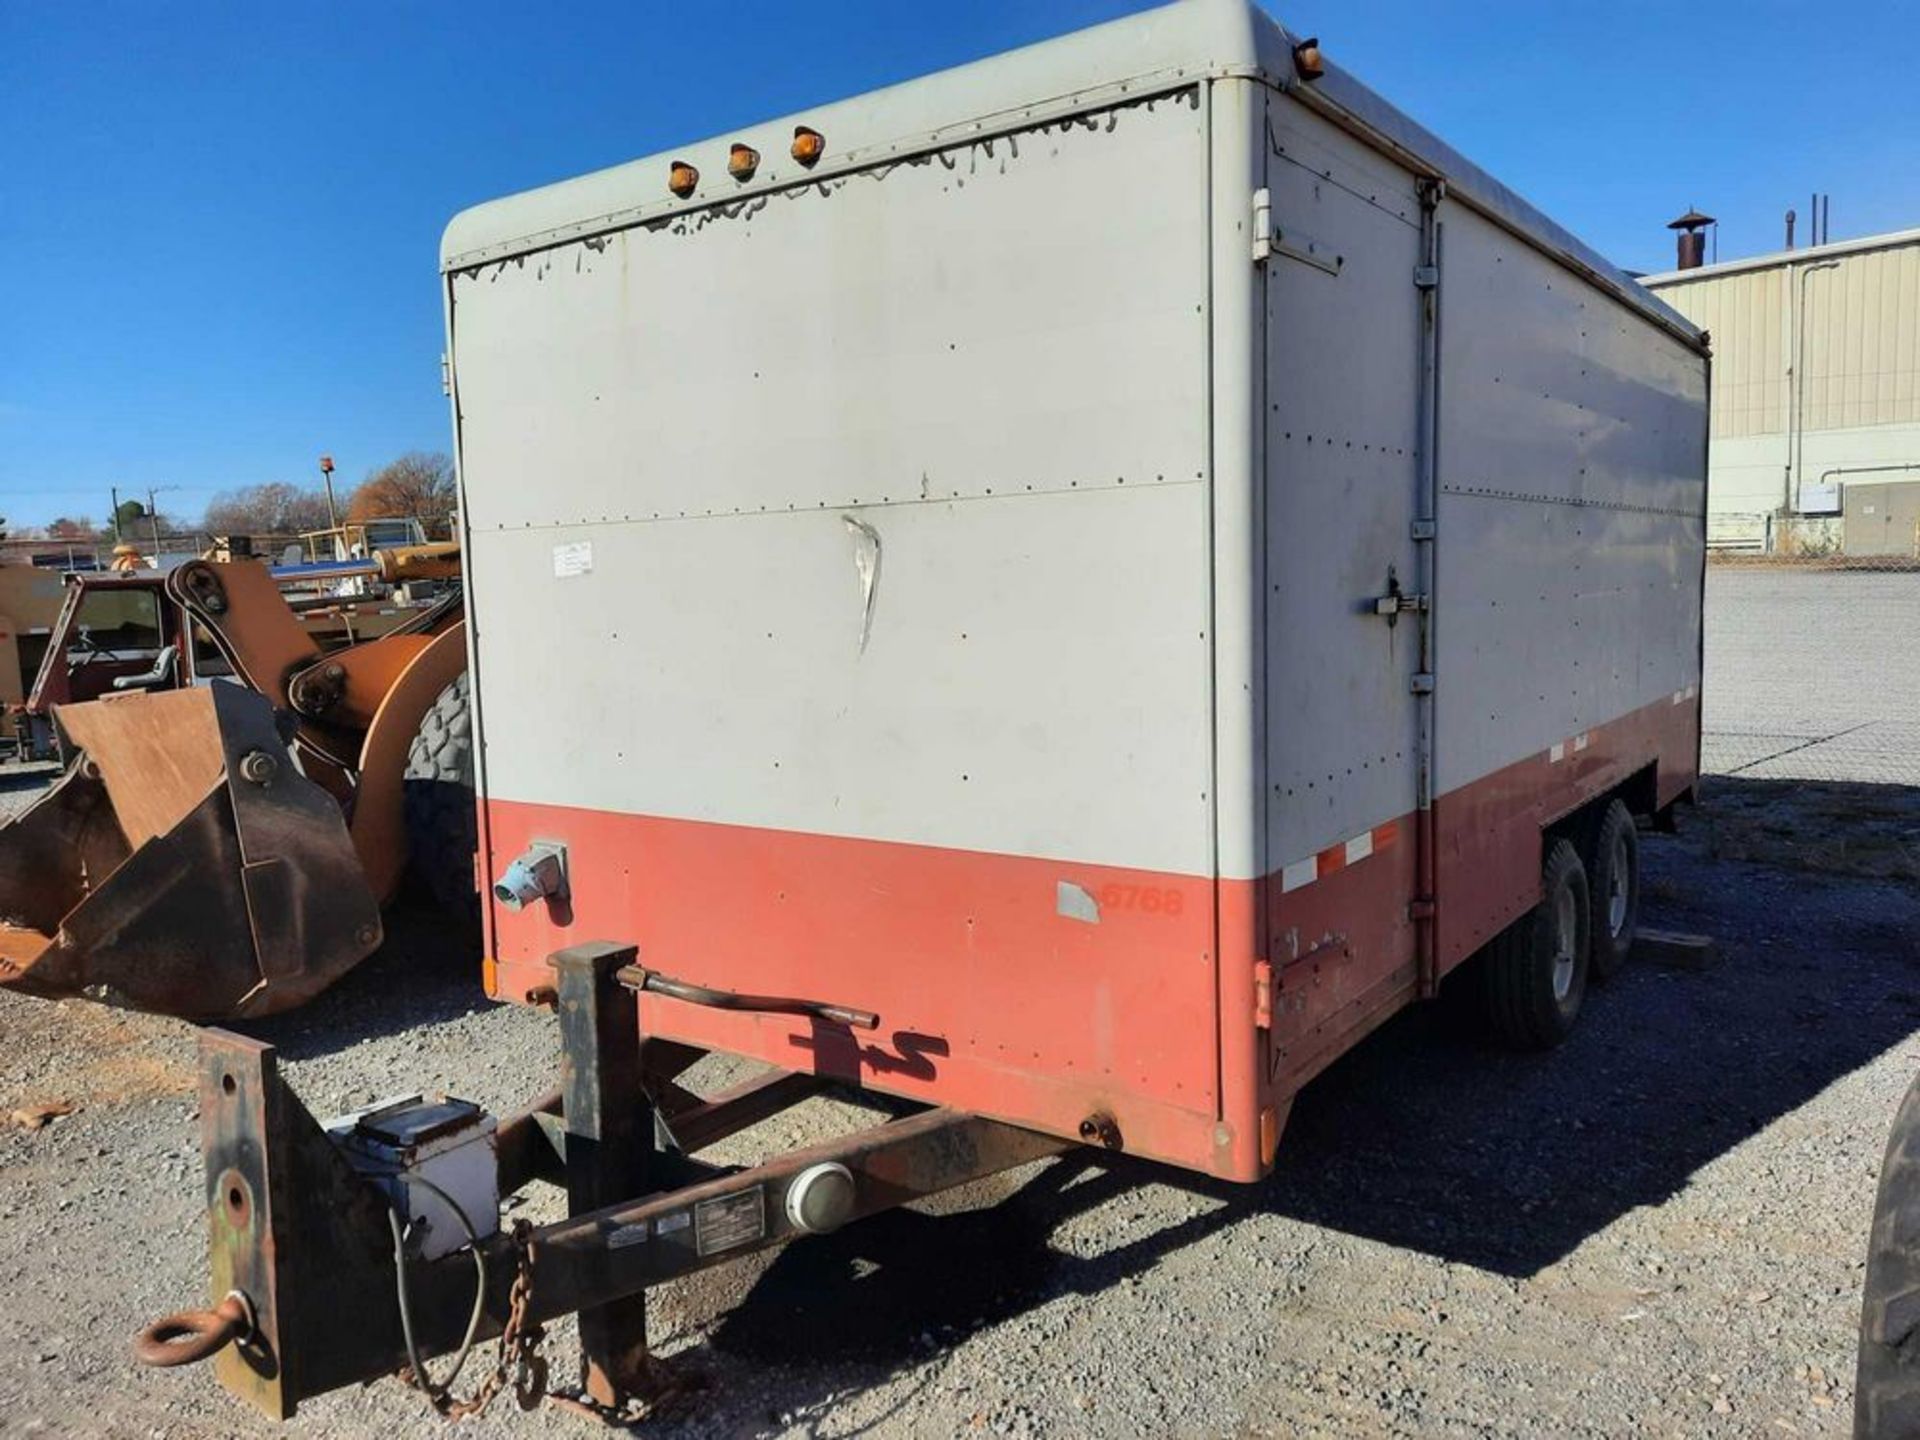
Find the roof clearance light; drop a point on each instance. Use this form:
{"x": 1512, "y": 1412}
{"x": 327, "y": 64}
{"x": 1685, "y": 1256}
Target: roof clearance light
{"x": 1307, "y": 61}
{"x": 742, "y": 161}
{"x": 808, "y": 145}
{"x": 682, "y": 178}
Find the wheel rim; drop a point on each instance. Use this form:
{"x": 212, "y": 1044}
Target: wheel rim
{"x": 1566, "y": 936}
{"x": 1619, "y": 886}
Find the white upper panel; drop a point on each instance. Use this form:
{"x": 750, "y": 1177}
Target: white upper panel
{"x": 876, "y": 509}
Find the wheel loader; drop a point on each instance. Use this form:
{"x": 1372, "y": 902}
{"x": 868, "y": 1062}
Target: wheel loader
{"x": 232, "y": 817}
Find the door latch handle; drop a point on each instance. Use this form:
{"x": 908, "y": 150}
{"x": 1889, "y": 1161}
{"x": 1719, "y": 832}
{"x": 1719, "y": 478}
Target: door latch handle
{"x": 1397, "y": 601}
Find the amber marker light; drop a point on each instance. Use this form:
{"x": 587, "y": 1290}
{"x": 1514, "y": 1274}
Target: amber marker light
{"x": 742, "y": 161}
{"x": 682, "y": 178}
{"x": 808, "y": 145}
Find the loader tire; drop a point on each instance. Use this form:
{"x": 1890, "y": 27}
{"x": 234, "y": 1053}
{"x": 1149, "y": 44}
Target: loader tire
{"x": 1886, "y": 1391}
{"x": 1613, "y": 873}
{"x": 442, "y": 830}
{"x": 1535, "y": 972}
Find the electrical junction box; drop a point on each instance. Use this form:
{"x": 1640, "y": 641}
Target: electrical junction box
{"x": 427, "y": 1155}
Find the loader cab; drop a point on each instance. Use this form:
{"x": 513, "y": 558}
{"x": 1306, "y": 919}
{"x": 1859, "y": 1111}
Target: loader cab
{"x": 116, "y": 634}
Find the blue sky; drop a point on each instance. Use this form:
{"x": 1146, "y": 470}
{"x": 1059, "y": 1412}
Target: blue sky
{"x": 218, "y": 222}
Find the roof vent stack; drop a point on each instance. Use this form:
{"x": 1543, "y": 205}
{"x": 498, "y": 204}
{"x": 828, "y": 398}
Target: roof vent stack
{"x": 1692, "y": 239}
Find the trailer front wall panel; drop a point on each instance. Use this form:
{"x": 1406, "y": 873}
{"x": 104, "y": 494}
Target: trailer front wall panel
{"x": 947, "y": 584}
{"x": 842, "y": 602}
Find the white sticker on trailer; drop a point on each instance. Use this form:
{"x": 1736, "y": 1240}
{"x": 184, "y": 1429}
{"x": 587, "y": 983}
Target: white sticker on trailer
{"x": 575, "y": 558}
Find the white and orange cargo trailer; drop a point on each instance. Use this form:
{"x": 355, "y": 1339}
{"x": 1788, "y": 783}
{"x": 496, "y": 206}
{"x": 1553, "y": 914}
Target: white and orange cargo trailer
{"x": 1125, "y": 559}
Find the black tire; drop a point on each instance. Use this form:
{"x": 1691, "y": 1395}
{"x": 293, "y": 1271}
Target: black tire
{"x": 1886, "y": 1390}
{"x": 1613, "y": 874}
{"x": 442, "y": 829}
{"x": 1536, "y": 971}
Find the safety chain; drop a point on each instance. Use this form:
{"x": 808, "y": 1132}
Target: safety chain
{"x": 519, "y": 1361}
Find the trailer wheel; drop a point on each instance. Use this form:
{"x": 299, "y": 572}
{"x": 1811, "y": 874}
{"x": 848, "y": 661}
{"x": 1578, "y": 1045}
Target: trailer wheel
{"x": 442, "y": 832}
{"x": 1536, "y": 971}
{"x": 1886, "y": 1392}
{"x": 1613, "y": 870}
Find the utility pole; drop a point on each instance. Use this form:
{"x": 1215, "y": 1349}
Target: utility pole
{"x": 113, "y": 516}
{"x": 153, "y": 517}
{"x": 326, "y": 478}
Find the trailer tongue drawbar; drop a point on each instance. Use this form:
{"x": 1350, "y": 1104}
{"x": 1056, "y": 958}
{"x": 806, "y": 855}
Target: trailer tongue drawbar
{"x": 303, "y": 1233}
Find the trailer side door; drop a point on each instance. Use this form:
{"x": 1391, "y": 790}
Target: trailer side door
{"x": 1342, "y": 412}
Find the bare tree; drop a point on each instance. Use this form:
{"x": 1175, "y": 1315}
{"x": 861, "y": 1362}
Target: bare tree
{"x": 276, "y": 508}
{"x": 419, "y": 484}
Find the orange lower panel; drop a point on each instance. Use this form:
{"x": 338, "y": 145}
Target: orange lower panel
{"x": 1043, "y": 992}
{"x": 1033, "y": 990}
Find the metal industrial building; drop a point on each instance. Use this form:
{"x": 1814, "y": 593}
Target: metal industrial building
{"x": 1816, "y": 394}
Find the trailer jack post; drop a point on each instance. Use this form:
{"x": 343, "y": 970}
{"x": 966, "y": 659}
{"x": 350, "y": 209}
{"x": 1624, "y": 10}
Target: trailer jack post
{"x": 609, "y": 1136}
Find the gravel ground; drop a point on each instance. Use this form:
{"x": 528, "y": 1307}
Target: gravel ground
{"x": 1657, "y": 1230}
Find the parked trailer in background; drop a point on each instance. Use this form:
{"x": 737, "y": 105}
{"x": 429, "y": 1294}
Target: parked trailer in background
{"x": 1067, "y": 591}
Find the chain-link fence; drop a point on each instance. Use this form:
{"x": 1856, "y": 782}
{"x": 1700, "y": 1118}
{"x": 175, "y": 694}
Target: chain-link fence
{"x": 1812, "y": 654}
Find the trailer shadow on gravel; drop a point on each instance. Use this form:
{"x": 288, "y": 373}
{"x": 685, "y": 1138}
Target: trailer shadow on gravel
{"x": 1425, "y": 1137}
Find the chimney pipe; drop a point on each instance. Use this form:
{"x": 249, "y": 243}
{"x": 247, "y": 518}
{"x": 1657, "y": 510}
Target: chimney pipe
{"x": 1791, "y": 217}
{"x": 1691, "y": 243}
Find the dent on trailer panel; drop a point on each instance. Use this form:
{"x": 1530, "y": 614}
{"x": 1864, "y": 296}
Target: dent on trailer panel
{"x": 1032, "y": 679}
{"x": 1019, "y": 314}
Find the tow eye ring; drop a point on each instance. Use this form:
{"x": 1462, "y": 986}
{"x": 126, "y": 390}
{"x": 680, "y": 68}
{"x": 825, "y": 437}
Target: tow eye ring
{"x": 193, "y": 1335}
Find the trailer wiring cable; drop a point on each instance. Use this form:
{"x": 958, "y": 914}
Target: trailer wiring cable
{"x": 439, "y": 1393}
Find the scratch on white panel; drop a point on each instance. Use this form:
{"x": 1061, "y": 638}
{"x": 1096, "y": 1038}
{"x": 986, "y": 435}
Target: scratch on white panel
{"x": 866, "y": 564}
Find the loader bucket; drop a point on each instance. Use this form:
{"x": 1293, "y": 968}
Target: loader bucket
{"x": 181, "y": 864}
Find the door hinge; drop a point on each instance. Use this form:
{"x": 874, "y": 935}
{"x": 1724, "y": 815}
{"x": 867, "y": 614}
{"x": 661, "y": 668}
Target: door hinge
{"x": 1270, "y": 239}
{"x": 1262, "y": 995}
{"x": 1425, "y": 277}
{"x": 446, "y": 374}
{"x": 1423, "y": 682}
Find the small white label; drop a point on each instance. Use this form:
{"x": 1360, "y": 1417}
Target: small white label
{"x": 628, "y": 1235}
{"x": 667, "y": 1224}
{"x": 575, "y": 558}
